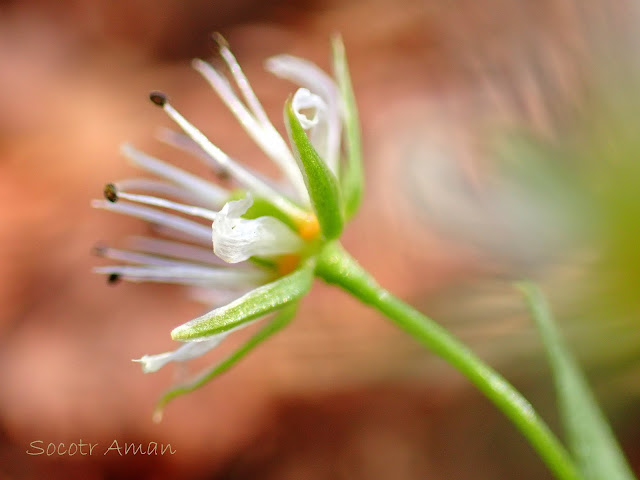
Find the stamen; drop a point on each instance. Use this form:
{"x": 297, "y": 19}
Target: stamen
{"x": 158, "y": 98}
{"x": 196, "y": 230}
{"x": 175, "y": 234}
{"x": 163, "y": 203}
{"x": 263, "y": 134}
{"x": 110, "y": 192}
{"x": 208, "y": 193}
{"x": 186, "y": 275}
{"x": 241, "y": 80}
{"x": 243, "y": 176}
{"x": 157, "y": 187}
{"x": 139, "y": 258}
{"x": 186, "y": 144}
{"x": 176, "y": 250}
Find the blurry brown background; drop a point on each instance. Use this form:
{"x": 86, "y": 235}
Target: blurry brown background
{"x": 340, "y": 393}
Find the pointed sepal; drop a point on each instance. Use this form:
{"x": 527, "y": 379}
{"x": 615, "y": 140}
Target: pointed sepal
{"x": 320, "y": 181}
{"x": 277, "y": 323}
{"x": 351, "y": 177}
{"x": 258, "y": 302}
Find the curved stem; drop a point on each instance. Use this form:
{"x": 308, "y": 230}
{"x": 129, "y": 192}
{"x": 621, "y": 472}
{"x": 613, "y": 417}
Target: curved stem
{"x": 336, "y": 266}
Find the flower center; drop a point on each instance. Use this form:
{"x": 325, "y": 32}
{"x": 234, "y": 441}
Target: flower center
{"x": 287, "y": 263}
{"x": 308, "y": 227}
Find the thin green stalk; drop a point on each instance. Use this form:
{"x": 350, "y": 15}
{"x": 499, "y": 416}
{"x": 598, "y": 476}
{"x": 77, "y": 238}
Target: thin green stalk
{"x": 337, "y": 267}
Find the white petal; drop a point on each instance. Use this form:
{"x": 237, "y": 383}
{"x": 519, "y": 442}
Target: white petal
{"x": 308, "y": 75}
{"x": 303, "y": 99}
{"x": 237, "y": 208}
{"x": 305, "y": 103}
{"x": 236, "y": 239}
{"x": 189, "y": 350}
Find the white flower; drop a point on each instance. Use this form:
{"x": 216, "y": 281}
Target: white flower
{"x": 236, "y": 239}
{"x": 197, "y": 254}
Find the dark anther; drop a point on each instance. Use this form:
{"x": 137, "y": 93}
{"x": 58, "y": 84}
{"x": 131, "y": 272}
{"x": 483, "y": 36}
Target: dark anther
{"x": 113, "y": 278}
{"x": 110, "y": 192}
{"x": 220, "y": 40}
{"x": 158, "y": 98}
{"x": 99, "y": 250}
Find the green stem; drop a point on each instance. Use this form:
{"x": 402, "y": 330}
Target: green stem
{"x": 336, "y": 266}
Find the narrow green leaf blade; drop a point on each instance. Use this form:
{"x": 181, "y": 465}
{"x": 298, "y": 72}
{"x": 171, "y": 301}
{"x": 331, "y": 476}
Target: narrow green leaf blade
{"x": 590, "y": 437}
{"x": 277, "y": 323}
{"x": 256, "y": 303}
{"x": 352, "y": 177}
{"x": 320, "y": 181}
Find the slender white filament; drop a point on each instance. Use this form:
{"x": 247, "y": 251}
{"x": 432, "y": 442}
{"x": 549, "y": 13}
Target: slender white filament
{"x": 190, "y": 228}
{"x": 177, "y": 250}
{"x": 263, "y": 132}
{"x": 244, "y": 85}
{"x": 157, "y": 187}
{"x": 186, "y": 275}
{"x": 243, "y": 176}
{"x": 138, "y": 258}
{"x": 208, "y": 193}
{"x": 161, "y": 202}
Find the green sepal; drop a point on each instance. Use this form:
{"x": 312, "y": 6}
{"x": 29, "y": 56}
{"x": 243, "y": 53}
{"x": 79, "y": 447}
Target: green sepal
{"x": 589, "y": 435}
{"x": 320, "y": 181}
{"x": 258, "y": 302}
{"x": 279, "y": 321}
{"x": 351, "y": 176}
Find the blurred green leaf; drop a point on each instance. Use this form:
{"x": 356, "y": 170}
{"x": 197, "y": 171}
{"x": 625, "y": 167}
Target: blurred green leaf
{"x": 321, "y": 182}
{"x": 590, "y": 437}
{"x": 279, "y": 321}
{"x": 352, "y": 178}
{"x": 258, "y": 302}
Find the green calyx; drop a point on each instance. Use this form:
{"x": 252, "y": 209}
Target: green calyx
{"x": 258, "y": 302}
{"x": 351, "y": 175}
{"x": 321, "y": 183}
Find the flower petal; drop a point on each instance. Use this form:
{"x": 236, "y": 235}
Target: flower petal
{"x": 187, "y": 351}
{"x": 310, "y": 76}
{"x": 352, "y": 177}
{"x": 236, "y": 239}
